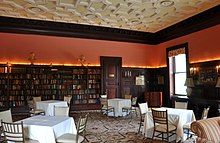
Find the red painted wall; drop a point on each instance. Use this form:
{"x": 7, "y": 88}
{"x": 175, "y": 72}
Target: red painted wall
{"x": 204, "y": 45}
{"x": 15, "y": 48}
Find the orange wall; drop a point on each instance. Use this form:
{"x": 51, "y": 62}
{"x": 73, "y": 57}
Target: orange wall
{"x": 204, "y": 45}
{"x": 62, "y": 50}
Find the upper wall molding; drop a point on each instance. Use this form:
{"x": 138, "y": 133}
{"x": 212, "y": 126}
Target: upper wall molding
{"x": 198, "y": 22}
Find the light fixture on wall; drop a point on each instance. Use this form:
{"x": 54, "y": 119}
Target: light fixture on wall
{"x": 32, "y": 58}
{"x": 82, "y": 60}
{"x": 189, "y": 83}
{"x": 218, "y": 85}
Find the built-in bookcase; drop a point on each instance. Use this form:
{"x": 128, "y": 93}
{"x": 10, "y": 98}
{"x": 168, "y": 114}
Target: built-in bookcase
{"x": 19, "y": 83}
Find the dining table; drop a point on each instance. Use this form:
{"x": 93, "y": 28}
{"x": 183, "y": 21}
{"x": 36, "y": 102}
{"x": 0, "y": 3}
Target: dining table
{"x": 45, "y": 129}
{"x": 118, "y": 104}
{"x": 177, "y": 117}
{"x": 48, "y": 106}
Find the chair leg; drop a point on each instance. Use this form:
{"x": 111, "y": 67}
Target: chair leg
{"x": 162, "y": 137}
{"x": 136, "y": 112}
{"x": 187, "y": 133}
{"x": 153, "y": 135}
{"x": 168, "y": 137}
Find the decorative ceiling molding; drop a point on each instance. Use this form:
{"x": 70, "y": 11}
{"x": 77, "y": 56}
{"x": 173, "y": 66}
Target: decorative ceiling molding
{"x": 137, "y": 15}
{"x": 198, "y": 22}
{"x": 203, "y": 20}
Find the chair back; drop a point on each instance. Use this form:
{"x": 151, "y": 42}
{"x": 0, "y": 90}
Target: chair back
{"x": 81, "y": 126}
{"x": 36, "y": 99}
{"x": 31, "y": 104}
{"x": 143, "y": 107}
{"x": 6, "y": 116}
{"x": 67, "y": 99}
{"x": 61, "y": 111}
{"x": 127, "y": 96}
{"x": 160, "y": 117}
{"x": 134, "y": 101}
{"x": 181, "y": 105}
{"x": 103, "y": 96}
{"x": 205, "y": 113}
{"x": 104, "y": 102}
{"x": 13, "y": 131}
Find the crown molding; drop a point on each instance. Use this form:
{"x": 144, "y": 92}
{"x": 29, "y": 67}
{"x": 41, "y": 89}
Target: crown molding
{"x": 30, "y": 26}
{"x": 198, "y": 22}
{"x": 195, "y": 23}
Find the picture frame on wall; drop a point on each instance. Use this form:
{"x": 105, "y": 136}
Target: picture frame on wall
{"x": 139, "y": 80}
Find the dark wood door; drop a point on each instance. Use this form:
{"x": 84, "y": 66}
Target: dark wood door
{"x": 111, "y": 76}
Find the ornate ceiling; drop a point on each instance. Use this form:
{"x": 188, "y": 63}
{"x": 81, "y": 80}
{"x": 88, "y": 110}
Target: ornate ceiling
{"x": 139, "y": 15}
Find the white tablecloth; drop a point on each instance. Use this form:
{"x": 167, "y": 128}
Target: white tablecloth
{"x": 46, "y": 129}
{"x": 48, "y": 106}
{"x": 118, "y": 104}
{"x": 178, "y": 117}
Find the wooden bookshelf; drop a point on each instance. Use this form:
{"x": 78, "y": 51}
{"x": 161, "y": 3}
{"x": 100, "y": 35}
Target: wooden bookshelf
{"x": 22, "y": 82}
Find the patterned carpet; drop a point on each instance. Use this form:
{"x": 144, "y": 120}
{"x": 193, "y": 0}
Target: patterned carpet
{"x": 103, "y": 129}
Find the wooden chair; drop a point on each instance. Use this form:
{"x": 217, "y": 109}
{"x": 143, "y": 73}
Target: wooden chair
{"x": 61, "y": 111}
{"x": 132, "y": 108}
{"x": 6, "y": 117}
{"x": 143, "y": 107}
{"x": 14, "y": 132}
{"x": 186, "y": 127}
{"x": 128, "y": 96}
{"x": 161, "y": 125}
{"x": 105, "y": 109}
{"x": 79, "y": 137}
{"x": 32, "y": 109}
{"x": 67, "y": 99}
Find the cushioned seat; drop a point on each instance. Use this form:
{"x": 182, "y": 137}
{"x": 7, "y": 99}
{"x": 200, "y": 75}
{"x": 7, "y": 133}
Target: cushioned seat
{"x": 70, "y": 138}
{"x": 163, "y": 128}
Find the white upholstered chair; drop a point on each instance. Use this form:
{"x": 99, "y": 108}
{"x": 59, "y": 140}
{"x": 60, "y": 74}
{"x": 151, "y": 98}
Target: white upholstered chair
{"x": 143, "y": 107}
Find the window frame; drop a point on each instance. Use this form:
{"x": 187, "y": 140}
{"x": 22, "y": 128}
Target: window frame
{"x": 184, "y": 45}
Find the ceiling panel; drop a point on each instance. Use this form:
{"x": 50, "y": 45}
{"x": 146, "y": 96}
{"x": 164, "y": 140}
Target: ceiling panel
{"x": 139, "y": 15}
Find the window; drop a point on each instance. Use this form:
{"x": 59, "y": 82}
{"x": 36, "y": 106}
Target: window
{"x": 178, "y": 63}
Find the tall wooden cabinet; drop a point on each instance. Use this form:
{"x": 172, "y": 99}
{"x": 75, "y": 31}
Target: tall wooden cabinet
{"x": 154, "y": 99}
{"x": 19, "y": 83}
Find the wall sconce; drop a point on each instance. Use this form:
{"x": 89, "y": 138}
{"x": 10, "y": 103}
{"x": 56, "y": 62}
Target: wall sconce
{"x": 81, "y": 59}
{"x": 193, "y": 70}
{"x": 32, "y": 58}
{"x": 217, "y": 68}
{"x": 218, "y": 85}
{"x": 8, "y": 68}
